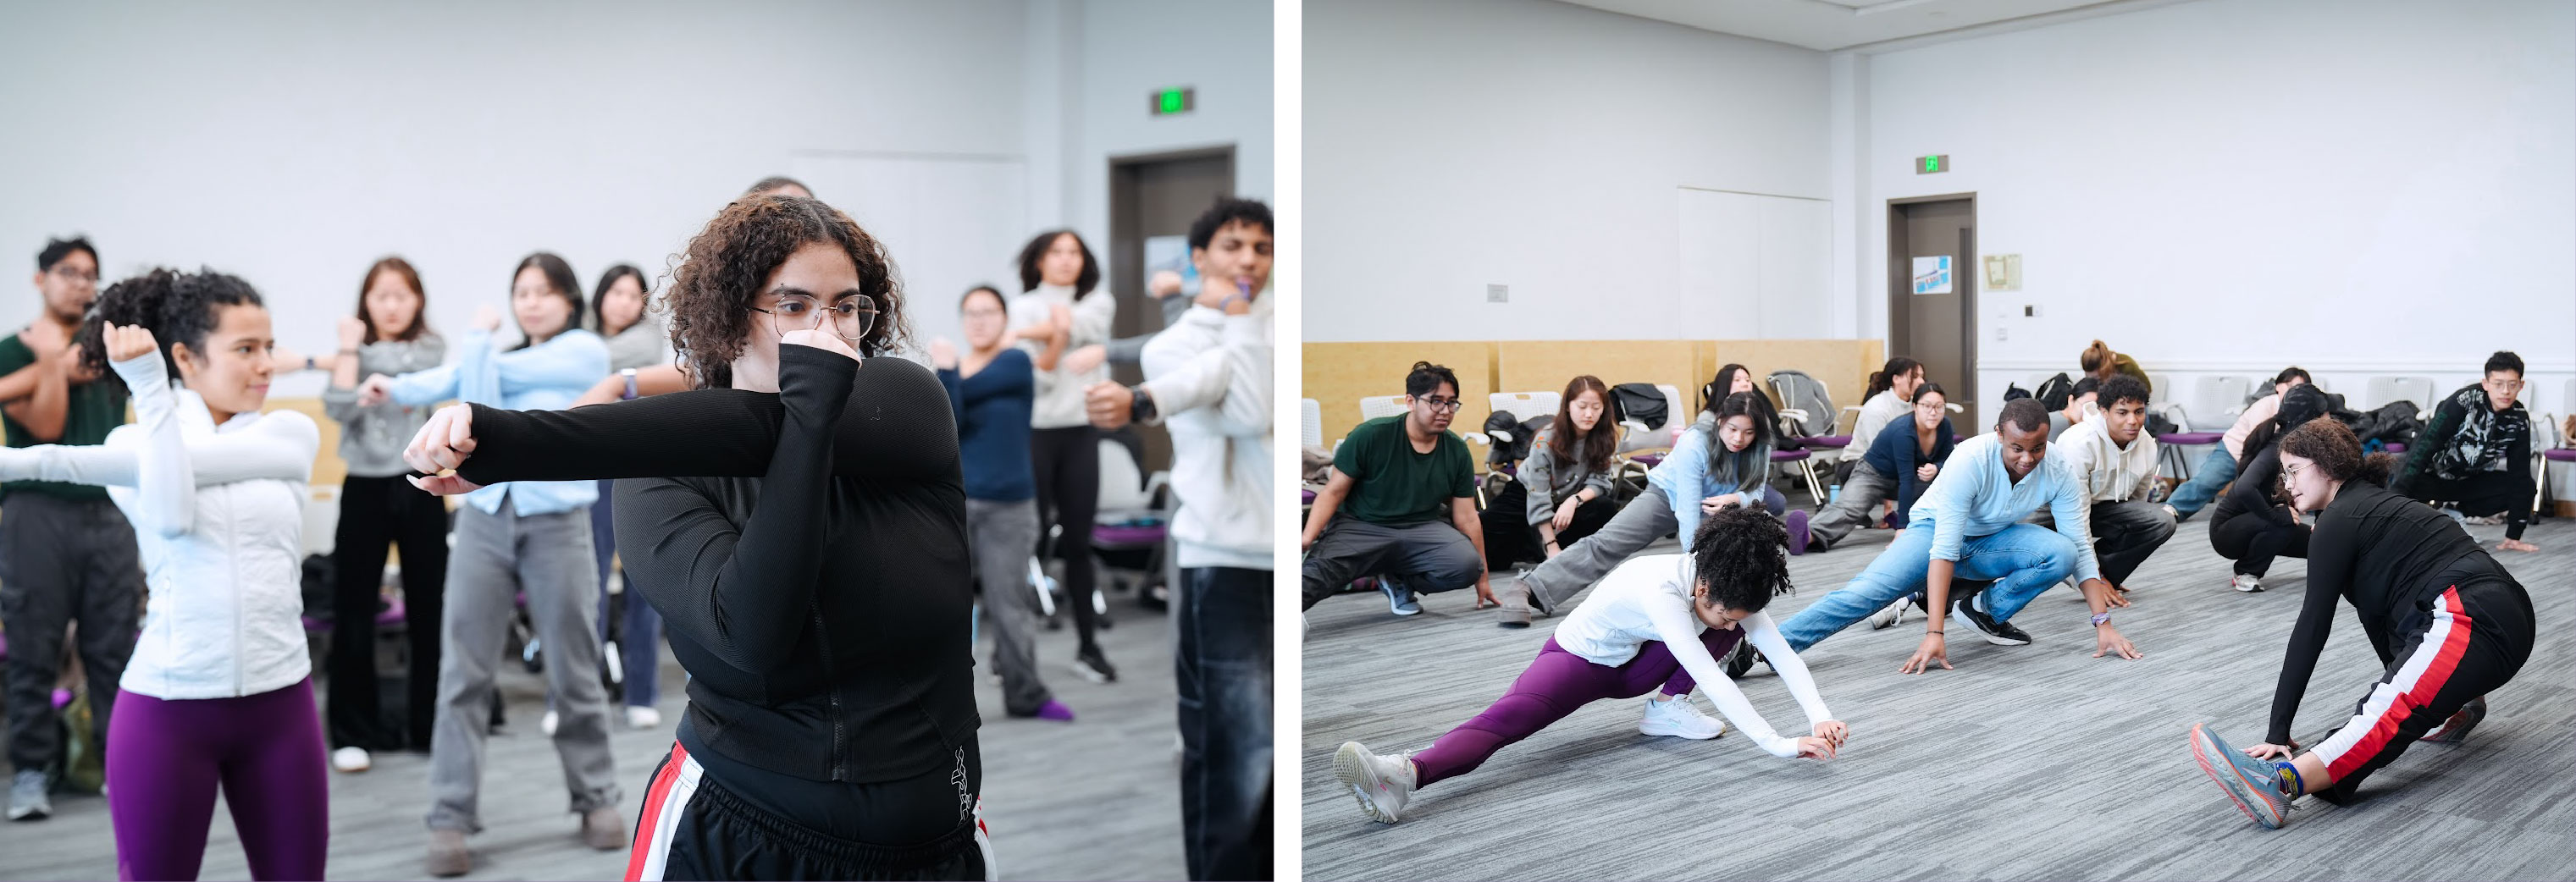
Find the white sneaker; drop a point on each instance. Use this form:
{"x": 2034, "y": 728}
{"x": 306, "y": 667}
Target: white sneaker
{"x": 1680, "y": 719}
{"x": 351, "y": 759}
{"x": 1893, "y": 614}
{"x": 642, "y": 717}
{"x": 1383, "y": 784}
{"x": 2246, "y": 583}
{"x": 547, "y": 724}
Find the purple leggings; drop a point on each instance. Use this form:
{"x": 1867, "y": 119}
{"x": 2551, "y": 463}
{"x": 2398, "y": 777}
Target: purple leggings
{"x": 1554, "y": 685}
{"x": 165, "y": 758}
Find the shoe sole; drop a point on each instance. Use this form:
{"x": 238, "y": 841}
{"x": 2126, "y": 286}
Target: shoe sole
{"x": 29, "y": 814}
{"x": 1401, "y": 611}
{"x": 1669, "y": 732}
{"x": 1084, "y": 671}
{"x": 1996, "y": 639}
{"x": 1883, "y": 619}
{"x": 2231, "y": 781}
{"x": 2257, "y": 589}
{"x": 1350, "y": 766}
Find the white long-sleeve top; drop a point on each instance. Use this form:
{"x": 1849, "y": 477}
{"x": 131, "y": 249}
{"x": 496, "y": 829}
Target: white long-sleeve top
{"x": 1059, "y": 397}
{"x": 1649, "y": 598}
{"x": 218, "y": 513}
{"x": 1880, "y": 410}
{"x": 2104, "y": 470}
{"x": 1210, "y": 376}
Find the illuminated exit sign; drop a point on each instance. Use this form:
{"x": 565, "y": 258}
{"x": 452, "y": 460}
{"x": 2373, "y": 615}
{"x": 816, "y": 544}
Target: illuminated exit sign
{"x": 1931, "y": 165}
{"x": 1172, "y": 101}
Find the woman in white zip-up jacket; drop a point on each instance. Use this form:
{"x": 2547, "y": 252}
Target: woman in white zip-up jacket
{"x": 219, "y": 690}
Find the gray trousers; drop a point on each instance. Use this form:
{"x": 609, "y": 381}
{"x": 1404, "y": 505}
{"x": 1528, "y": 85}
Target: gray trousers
{"x": 64, "y": 561}
{"x": 2124, "y": 534}
{"x": 495, "y": 557}
{"x": 1645, "y": 519}
{"x": 1431, "y": 557}
{"x": 1001, "y": 534}
{"x": 1862, "y": 492}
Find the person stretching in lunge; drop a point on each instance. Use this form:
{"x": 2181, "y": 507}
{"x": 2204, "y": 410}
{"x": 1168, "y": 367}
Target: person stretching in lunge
{"x": 2447, "y": 620}
{"x": 1656, "y": 621}
{"x": 1969, "y": 525}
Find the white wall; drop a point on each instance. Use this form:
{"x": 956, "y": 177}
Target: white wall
{"x": 293, "y": 144}
{"x": 2235, "y": 185}
{"x": 1458, "y": 143}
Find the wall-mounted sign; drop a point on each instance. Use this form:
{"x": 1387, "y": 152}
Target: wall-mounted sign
{"x": 2003, "y": 272}
{"x": 1932, "y": 275}
{"x": 1171, "y": 101}
{"x": 1931, "y": 165}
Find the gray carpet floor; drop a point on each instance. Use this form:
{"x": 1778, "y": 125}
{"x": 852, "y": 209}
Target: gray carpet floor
{"x": 2031, "y": 762}
{"x": 1095, "y": 799}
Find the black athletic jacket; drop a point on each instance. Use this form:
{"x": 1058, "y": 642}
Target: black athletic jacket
{"x": 813, "y": 575}
{"x": 2387, "y": 554}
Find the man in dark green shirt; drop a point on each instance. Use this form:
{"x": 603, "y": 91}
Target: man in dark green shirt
{"x": 1401, "y": 504}
{"x": 66, "y": 553}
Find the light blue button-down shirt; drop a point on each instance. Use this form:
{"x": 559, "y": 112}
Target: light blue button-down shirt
{"x": 1975, "y": 496}
{"x": 546, "y": 376}
{"x": 1687, "y": 475}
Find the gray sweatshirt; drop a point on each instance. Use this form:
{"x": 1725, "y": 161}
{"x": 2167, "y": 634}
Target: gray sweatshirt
{"x": 639, "y": 346}
{"x": 372, "y": 438}
{"x": 1549, "y": 482}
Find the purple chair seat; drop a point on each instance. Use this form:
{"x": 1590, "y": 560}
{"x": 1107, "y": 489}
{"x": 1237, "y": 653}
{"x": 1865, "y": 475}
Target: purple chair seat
{"x": 1650, "y": 460}
{"x": 2561, "y": 454}
{"x": 1827, "y": 440}
{"x": 4, "y": 647}
{"x": 1127, "y": 535}
{"x": 1309, "y": 496}
{"x": 2394, "y": 448}
{"x": 2187, "y": 439}
{"x": 1789, "y": 455}
{"x": 392, "y": 614}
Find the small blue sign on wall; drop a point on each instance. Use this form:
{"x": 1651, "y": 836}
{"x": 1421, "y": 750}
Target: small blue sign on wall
{"x": 1932, "y": 275}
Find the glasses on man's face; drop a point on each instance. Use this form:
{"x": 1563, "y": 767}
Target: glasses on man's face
{"x": 852, "y": 318}
{"x": 1438, "y": 403}
{"x": 66, "y": 273}
{"x": 2503, "y": 385}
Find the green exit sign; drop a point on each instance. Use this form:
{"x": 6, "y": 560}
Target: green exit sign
{"x": 1931, "y": 165}
{"x": 1171, "y": 101}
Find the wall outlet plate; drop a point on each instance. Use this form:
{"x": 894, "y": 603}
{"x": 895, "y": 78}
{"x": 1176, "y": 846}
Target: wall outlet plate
{"x": 1498, "y": 293}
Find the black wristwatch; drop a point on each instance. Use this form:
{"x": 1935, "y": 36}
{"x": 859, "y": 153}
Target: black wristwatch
{"x": 1143, "y": 410}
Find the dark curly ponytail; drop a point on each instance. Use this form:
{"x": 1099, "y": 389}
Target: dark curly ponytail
{"x": 1742, "y": 555}
{"x": 176, "y": 307}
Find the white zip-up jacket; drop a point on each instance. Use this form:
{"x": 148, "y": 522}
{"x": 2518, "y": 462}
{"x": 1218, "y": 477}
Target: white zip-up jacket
{"x": 1210, "y": 380}
{"x": 219, "y": 514}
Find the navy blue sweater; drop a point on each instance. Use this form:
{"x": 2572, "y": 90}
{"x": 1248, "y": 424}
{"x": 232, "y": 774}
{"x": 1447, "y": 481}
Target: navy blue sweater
{"x": 993, "y": 426}
{"x": 1896, "y": 455}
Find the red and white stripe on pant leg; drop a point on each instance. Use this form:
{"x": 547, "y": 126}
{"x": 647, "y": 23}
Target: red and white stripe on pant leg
{"x": 984, "y": 841}
{"x": 668, "y": 796}
{"x": 2405, "y": 693}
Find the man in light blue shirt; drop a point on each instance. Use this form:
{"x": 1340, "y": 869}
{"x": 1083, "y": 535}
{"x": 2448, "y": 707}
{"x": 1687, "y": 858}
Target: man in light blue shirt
{"x": 1968, "y": 526}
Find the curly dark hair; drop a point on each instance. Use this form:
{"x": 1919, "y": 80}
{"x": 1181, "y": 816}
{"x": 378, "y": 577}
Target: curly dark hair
{"x": 1598, "y": 444}
{"x": 1742, "y": 555}
{"x": 719, "y": 278}
{"x": 2331, "y": 445}
{"x": 1037, "y": 248}
{"x": 176, "y": 307}
{"x": 2119, "y": 388}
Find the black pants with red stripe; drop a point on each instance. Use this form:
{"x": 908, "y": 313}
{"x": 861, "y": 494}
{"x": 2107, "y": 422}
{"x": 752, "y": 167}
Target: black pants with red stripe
{"x": 2475, "y": 637}
{"x": 708, "y": 817}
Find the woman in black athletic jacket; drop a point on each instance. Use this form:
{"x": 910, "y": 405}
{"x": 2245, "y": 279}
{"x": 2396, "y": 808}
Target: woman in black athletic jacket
{"x": 2448, "y": 622}
{"x": 799, "y": 521}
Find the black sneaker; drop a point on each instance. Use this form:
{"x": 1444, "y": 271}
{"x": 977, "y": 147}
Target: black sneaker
{"x": 2458, "y": 726}
{"x": 1997, "y": 633}
{"x": 1092, "y": 665}
{"x": 1740, "y": 660}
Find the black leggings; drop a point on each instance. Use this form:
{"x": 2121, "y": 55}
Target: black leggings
{"x": 376, "y": 513}
{"x": 1067, "y": 465}
{"x": 1510, "y": 538}
{"x": 2252, "y": 541}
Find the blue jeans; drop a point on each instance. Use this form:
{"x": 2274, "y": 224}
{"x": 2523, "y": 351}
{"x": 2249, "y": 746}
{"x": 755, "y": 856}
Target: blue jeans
{"x": 640, "y": 648}
{"x": 1221, "y": 662}
{"x": 2027, "y": 558}
{"x": 2214, "y": 473}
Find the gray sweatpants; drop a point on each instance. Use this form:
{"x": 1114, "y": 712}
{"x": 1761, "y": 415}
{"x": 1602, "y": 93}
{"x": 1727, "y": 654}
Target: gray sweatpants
{"x": 1431, "y": 557}
{"x": 64, "y": 561}
{"x": 1002, "y": 534}
{"x": 495, "y": 557}
{"x": 1862, "y": 492}
{"x": 1645, "y": 519}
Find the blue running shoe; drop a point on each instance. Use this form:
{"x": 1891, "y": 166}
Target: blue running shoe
{"x": 1399, "y": 599}
{"x": 2253, "y": 784}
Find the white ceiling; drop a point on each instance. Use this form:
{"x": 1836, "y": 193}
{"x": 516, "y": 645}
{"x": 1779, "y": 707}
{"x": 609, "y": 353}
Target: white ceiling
{"x": 1834, "y": 25}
